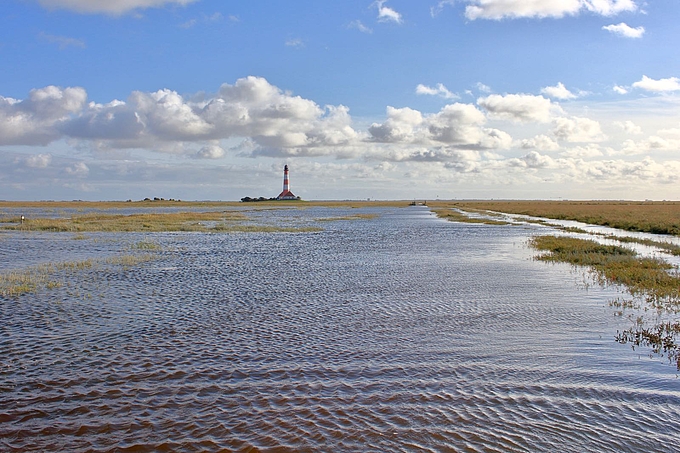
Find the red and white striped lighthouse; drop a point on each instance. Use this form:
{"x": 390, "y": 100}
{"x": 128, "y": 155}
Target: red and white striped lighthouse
{"x": 286, "y": 194}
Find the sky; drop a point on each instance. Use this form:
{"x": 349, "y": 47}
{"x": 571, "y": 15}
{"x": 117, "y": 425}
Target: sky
{"x": 386, "y": 99}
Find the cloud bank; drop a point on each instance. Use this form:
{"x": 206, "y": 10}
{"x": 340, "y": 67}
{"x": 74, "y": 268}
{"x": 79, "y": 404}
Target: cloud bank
{"x": 111, "y": 7}
{"x": 515, "y": 9}
{"x": 498, "y": 139}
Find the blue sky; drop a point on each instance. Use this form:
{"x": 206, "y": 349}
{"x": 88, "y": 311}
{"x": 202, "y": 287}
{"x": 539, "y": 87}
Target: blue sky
{"x": 205, "y": 99}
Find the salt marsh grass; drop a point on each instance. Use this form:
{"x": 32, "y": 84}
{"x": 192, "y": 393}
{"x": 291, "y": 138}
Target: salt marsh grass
{"x": 457, "y": 216}
{"x": 654, "y": 281}
{"x": 150, "y": 222}
{"x": 54, "y": 275}
{"x": 648, "y": 217}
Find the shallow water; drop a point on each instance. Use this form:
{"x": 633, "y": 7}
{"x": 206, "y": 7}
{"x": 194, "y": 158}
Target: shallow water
{"x": 399, "y": 333}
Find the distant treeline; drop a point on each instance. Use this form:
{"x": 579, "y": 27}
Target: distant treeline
{"x": 251, "y": 200}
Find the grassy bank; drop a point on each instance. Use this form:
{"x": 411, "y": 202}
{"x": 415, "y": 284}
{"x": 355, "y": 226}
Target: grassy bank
{"x": 212, "y": 221}
{"x": 653, "y": 280}
{"x": 649, "y": 217}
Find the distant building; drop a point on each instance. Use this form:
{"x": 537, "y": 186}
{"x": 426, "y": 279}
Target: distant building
{"x": 286, "y": 194}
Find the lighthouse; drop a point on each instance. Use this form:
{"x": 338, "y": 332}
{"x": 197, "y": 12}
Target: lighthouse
{"x": 286, "y": 194}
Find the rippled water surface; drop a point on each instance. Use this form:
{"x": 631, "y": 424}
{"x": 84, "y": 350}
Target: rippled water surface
{"x": 397, "y": 333}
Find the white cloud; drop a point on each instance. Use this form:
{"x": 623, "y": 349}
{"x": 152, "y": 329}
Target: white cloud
{"x": 460, "y": 125}
{"x": 113, "y": 7}
{"x": 357, "y": 24}
{"x": 620, "y": 89}
{"x": 610, "y": 7}
{"x": 439, "y": 90}
{"x": 577, "y": 129}
{"x": 559, "y": 91}
{"x": 502, "y": 9}
{"x": 628, "y": 127}
{"x": 483, "y": 88}
{"x": 401, "y": 126}
{"x": 541, "y": 143}
{"x": 456, "y": 125}
{"x": 518, "y": 107}
{"x": 589, "y": 151}
{"x": 210, "y": 152}
{"x": 658, "y": 86}
{"x": 652, "y": 144}
{"x": 387, "y": 14}
{"x": 625, "y": 30}
{"x": 164, "y": 120}
{"x": 35, "y": 121}
{"x": 38, "y": 160}
{"x": 79, "y": 169}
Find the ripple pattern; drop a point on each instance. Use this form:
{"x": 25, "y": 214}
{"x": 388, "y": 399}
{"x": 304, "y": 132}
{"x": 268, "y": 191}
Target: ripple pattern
{"x": 401, "y": 333}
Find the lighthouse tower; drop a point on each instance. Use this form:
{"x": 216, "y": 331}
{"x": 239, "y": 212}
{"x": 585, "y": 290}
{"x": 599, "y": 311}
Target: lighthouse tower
{"x": 286, "y": 194}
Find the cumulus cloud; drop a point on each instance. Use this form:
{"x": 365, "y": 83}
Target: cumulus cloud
{"x": 112, "y": 7}
{"x": 35, "y": 120}
{"x": 512, "y": 9}
{"x": 79, "y": 169}
{"x": 457, "y": 125}
{"x": 658, "y": 86}
{"x": 577, "y": 129}
{"x": 589, "y": 151}
{"x": 624, "y": 30}
{"x": 438, "y": 90}
{"x": 559, "y": 91}
{"x": 210, "y": 152}
{"x": 620, "y": 89}
{"x": 387, "y": 14}
{"x": 652, "y": 144}
{"x": 628, "y": 127}
{"x": 518, "y": 107}
{"x": 38, "y": 160}
{"x": 401, "y": 126}
{"x": 541, "y": 143}
{"x": 163, "y": 120}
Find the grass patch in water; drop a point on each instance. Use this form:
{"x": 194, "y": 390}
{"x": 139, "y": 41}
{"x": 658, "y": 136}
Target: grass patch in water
{"x": 17, "y": 282}
{"x": 661, "y": 339}
{"x": 653, "y": 280}
{"x": 456, "y": 216}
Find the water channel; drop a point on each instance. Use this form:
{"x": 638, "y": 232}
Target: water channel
{"x": 400, "y": 333}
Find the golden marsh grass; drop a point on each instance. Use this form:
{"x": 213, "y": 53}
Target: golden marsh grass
{"x": 147, "y": 222}
{"x": 652, "y": 278}
{"x": 659, "y": 217}
{"x": 31, "y": 279}
{"x": 655, "y": 281}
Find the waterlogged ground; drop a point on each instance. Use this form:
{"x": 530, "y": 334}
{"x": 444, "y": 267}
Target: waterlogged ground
{"x": 401, "y": 332}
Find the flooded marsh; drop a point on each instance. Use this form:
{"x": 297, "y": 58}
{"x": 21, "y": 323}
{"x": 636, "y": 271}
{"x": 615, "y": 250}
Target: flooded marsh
{"x": 394, "y": 330}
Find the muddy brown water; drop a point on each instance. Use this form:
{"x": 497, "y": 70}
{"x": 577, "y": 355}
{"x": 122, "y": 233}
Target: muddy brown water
{"x": 399, "y": 333}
